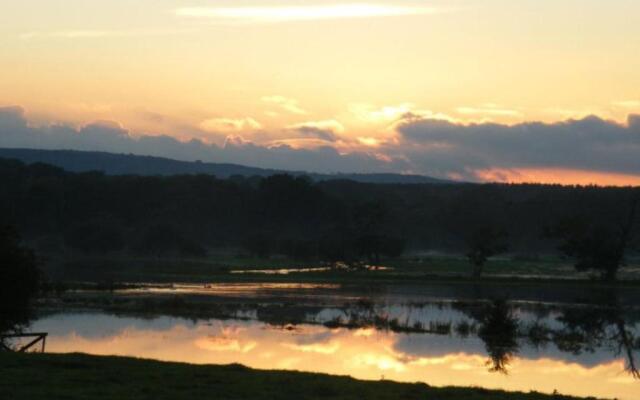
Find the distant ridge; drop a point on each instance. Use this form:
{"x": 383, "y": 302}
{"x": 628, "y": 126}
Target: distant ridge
{"x": 130, "y": 164}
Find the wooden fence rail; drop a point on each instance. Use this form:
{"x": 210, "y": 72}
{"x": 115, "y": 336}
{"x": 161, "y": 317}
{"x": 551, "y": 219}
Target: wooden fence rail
{"x": 37, "y": 337}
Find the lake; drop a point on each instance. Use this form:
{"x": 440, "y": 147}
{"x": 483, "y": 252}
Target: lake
{"x": 573, "y": 339}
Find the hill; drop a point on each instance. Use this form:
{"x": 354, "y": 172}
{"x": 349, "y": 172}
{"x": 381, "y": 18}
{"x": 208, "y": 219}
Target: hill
{"x": 130, "y": 164}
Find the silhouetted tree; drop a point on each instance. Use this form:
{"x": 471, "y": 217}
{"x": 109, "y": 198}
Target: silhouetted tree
{"x": 166, "y": 239}
{"x": 393, "y": 246}
{"x": 19, "y": 277}
{"x": 371, "y": 232}
{"x": 298, "y": 249}
{"x": 598, "y": 246}
{"x": 259, "y": 245}
{"x": 484, "y": 242}
{"x": 191, "y": 249}
{"x": 95, "y": 237}
{"x": 284, "y": 199}
{"x": 337, "y": 245}
{"x": 368, "y": 219}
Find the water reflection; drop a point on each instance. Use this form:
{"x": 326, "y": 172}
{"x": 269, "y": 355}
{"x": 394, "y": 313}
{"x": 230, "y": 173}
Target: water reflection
{"x": 499, "y": 332}
{"x": 227, "y": 289}
{"x": 281, "y": 271}
{"x": 587, "y": 329}
{"x": 365, "y": 353}
{"x": 334, "y": 267}
{"x": 545, "y": 340}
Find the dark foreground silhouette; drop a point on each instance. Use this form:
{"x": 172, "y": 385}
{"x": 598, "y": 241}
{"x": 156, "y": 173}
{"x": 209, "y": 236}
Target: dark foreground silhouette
{"x": 20, "y": 279}
{"x": 36, "y": 377}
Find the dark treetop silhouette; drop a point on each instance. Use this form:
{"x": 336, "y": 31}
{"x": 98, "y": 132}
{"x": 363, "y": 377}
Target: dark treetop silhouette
{"x": 59, "y": 211}
{"x": 20, "y": 280}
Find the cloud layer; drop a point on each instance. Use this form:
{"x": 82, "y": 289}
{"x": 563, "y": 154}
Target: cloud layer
{"x": 589, "y": 144}
{"x": 107, "y": 136}
{"x": 440, "y": 148}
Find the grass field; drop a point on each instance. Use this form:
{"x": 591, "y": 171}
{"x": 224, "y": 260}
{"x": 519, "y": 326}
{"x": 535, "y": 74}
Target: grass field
{"x": 76, "y": 376}
{"x": 218, "y": 268}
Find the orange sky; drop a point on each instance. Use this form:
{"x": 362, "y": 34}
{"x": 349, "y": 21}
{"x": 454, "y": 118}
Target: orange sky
{"x": 559, "y": 176}
{"x": 262, "y": 70}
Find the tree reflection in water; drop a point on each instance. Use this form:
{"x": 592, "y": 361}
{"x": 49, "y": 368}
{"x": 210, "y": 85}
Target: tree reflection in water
{"x": 497, "y": 327}
{"x": 589, "y": 328}
{"x": 499, "y": 332}
{"x": 582, "y": 329}
{"x": 604, "y": 324}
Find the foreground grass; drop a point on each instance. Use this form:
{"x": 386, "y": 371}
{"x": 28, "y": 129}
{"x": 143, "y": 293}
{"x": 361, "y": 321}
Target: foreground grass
{"x": 76, "y": 376}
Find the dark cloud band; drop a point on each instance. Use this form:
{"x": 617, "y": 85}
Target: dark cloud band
{"x": 590, "y": 144}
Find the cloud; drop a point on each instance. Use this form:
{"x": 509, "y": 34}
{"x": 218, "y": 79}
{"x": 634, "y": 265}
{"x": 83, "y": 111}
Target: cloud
{"x": 575, "y": 150}
{"x": 236, "y": 141}
{"x": 391, "y": 114}
{"x": 326, "y": 130}
{"x": 369, "y": 141}
{"x": 271, "y": 14}
{"x": 230, "y": 124}
{"x": 12, "y": 119}
{"x": 223, "y": 344}
{"x": 372, "y": 114}
{"x": 589, "y": 144}
{"x": 15, "y": 132}
{"x": 285, "y": 103}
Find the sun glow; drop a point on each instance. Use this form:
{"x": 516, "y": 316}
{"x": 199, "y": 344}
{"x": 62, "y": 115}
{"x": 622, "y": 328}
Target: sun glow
{"x": 557, "y": 176}
{"x": 369, "y": 141}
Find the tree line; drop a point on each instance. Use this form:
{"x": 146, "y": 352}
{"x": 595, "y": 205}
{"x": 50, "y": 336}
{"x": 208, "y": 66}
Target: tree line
{"x": 330, "y": 221}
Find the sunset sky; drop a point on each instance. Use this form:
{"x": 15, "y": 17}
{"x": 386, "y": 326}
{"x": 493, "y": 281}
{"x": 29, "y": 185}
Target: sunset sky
{"x": 481, "y": 90}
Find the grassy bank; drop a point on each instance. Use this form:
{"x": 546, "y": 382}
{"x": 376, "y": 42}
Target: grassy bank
{"x": 75, "y": 376}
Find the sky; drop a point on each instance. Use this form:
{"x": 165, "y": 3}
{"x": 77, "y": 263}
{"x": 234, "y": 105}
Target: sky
{"x": 481, "y": 90}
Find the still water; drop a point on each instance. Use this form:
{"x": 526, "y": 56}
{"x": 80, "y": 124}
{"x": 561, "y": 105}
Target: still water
{"x": 403, "y": 335}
